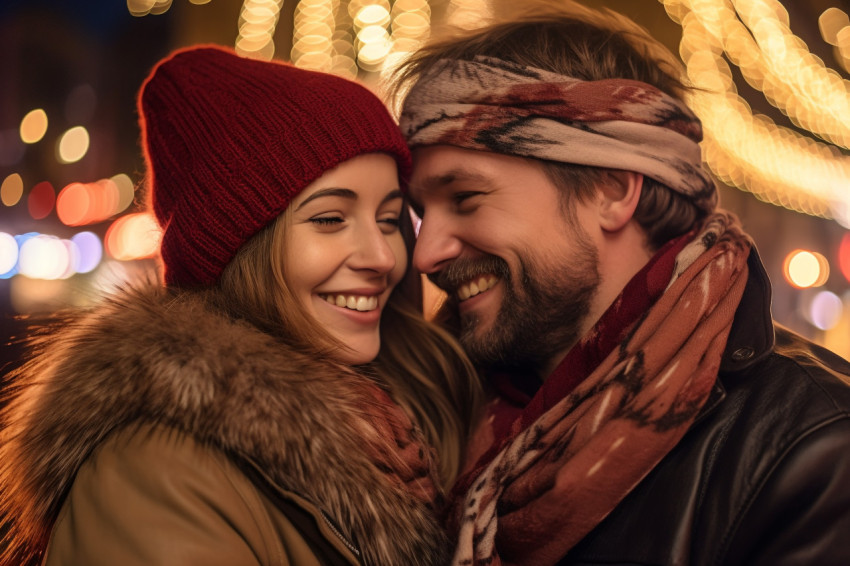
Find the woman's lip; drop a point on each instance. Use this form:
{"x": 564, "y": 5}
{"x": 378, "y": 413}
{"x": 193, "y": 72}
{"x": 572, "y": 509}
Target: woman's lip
{"x": 364, "y": 292}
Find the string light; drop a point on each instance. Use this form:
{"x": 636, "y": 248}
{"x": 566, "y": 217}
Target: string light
{"x": 411, "y": 27}
{"x": 140, "y": 8}
{"x": 749, "y": 151}
{"x": 467, "y": 13}
{"x": 371, "y": 19}
{"x": 313, "y": 35}
{"x": 257, "y": 22}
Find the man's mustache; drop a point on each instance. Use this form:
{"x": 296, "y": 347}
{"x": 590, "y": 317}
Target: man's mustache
{"x": 462, "y": 270}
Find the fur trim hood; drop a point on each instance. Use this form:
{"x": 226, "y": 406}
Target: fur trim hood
{"x": 165, "y": 357}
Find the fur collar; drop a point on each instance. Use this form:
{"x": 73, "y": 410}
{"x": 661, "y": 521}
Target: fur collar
{"x": 157, "y": 356}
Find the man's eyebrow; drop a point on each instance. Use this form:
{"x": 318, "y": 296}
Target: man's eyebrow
{"x": 345, "y": 193}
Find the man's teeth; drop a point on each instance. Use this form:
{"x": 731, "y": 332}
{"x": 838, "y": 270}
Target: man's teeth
{"x": 357, "y": 303}
{"x": 476, "y": 286}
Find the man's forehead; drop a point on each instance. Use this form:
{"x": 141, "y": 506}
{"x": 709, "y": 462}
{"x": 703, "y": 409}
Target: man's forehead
{"x": 436, "y": 168}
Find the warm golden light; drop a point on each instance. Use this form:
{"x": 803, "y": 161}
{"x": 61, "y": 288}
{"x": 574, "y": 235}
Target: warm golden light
{"x": 831, "y": 22}
{"x": 257, "y": 22}
{"x": 126, "y": 191}
{"x": 33, "y": 126}
{"x": 314, "y": 28}
{"x": 141, "y": 8}
{"x": 747, "y": 150}
{"x": 12, "y": 190}
{"x": 371, "y": 19}
{"x": 411, "y": 27}
{"x": 804, "y": 269}
{"x": 468, "y": 13}
{"x": 133, "y": 236}
{"x": 72, "y": 145}
{"x": 374, "y": 15}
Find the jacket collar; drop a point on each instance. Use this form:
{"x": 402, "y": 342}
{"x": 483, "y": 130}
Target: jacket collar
{"x": 751, "y": 337}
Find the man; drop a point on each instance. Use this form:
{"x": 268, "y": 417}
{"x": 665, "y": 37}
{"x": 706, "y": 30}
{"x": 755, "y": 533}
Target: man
{"x": 646, "y": 409}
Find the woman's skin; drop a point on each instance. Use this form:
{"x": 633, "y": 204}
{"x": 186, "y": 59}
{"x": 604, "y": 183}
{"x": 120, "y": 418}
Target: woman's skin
{"x": 345, "y": 253}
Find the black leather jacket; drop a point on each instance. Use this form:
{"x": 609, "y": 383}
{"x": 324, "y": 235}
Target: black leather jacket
{"x": 763, "y": 476}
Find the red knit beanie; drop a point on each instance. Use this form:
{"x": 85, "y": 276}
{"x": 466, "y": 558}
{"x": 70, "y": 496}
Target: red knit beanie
{"x": 229, "y": 141}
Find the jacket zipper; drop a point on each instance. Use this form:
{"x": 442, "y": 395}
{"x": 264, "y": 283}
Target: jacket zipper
{"x": 335, "y": 530}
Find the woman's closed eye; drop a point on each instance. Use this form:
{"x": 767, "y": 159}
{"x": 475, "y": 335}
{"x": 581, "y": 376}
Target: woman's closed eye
{"x": 389, "y": 224}
{"x": 327, "y": 220}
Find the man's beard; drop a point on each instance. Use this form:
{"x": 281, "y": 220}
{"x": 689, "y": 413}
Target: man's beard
{"x": 542, "y": 311}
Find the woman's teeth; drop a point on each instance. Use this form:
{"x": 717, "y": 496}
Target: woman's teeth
{"x": 361, "y": 303}
{"x": 476, "y": 286}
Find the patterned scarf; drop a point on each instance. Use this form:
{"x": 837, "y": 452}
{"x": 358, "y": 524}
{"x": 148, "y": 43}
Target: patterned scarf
{"x": 618, "y": 403}
{"x": 493, "y": 105}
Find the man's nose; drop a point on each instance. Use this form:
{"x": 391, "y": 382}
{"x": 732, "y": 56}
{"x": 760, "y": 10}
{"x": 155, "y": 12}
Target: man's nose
{"x": 436, "y": 245}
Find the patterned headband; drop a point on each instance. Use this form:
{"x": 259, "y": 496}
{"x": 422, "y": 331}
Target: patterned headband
{"x": 493, "y": 105}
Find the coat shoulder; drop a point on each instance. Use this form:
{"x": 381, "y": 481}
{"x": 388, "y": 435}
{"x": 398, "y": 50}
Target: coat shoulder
{"x": 159, "y": 493}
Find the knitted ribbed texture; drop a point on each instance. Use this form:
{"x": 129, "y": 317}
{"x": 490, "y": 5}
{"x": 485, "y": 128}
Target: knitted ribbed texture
{"x": 229, "y": 141}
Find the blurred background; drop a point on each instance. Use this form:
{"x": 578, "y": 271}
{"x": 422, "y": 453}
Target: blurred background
{"x": 775, "y": 103}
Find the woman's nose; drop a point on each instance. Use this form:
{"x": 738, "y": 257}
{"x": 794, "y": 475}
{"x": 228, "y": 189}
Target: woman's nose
{"x": 373, "y": 251}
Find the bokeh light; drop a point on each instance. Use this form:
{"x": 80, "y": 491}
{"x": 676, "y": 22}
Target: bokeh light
{"x": 126, "y": 191}
{"x": 88, "y": 203}
{"x": 257, "y": 24}
{"x": 804, "y": 269}
{"x": 831, "y": 22}
{"x": 844, "y": 256}
{"x": 34, "y": 126}
{"x": 141, "y": 8}
{"x": 44, "y": 257}
{"x": 133, "y": 236}
{"x": 825, "y": 310}
{"x": 468, "y": 14}
{"x": 72, "y": 204}
{"x": 746, "y": 149}
{"x": 72, "y": 145}
{"x": 8, "y": 254}
{"x": 41, "y": 199}
{"x": 90, "y": 250}
{"x": 12, "y": 190}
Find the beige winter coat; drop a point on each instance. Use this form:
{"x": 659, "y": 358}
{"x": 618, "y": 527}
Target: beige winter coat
{"x": 154, "y": 430}
{"x": 156, "y": 496}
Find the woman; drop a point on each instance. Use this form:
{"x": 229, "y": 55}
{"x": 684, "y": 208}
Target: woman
{"x": 275, "y": 401}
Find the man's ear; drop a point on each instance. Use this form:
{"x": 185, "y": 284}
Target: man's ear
{"x": 619, "y": 195}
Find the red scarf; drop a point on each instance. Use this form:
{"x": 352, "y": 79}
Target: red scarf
{"x": 549, "y": 467}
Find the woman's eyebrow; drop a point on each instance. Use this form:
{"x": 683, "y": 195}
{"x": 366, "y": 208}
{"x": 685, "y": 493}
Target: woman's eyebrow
{"x": 329, "y": 192}
{"x": 392, "y": 195}
{"x": 345, "y": 193}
